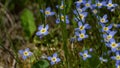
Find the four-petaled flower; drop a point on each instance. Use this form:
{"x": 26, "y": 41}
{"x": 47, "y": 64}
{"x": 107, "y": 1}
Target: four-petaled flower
{"x": 107, "y": 37}
{"x": 106, "y": 28}
{"x": 42, "y": 30}
{"x": 113, "y": 45}
{"x": 110, "y": 5}
{"x": 81, "y": 35}
{"x": 48, "y": 12}
{"x": 117, "y": 58}
{"x": 104, "y": 19}
{"x": 88, "y": 4}
{"x": 99, "y": 4}
{"x": 85, "y": 55}
{"x": 25, "y": 53}
{"x": 54, "y": 59}
{"x": 82, "y": 27}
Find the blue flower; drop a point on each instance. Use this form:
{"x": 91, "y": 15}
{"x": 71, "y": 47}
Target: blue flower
{"x": 54, "y": 59}
{"x": 48, "y": 12}
{"x": 117, "y": 58}
{"x": 25, "y": 53}
{"x": 85, "y": 55}
{"x": 62, "y": 18}
{"x": 106, "y": 28}
{"x": 81, "y": 35}
{"x": 104, "y": 19}
{"x": 113, "y": 45}
{"x": 88, "y": 4}
{"x": 79, "y": 10}
{"x": 109, "y": 36}
{"x": 102, "y": 59}
{"x": 81, "y": 16}
{"x": 82, "y": 27}
{"x": 110, "y": 5}
{"x": 61, "y": 6}
{"x": 91, "y": 50}
{"x": 95, "y": 11}
{"x": 79, "y": 2}
{"x": 99, "y": 4}
{"x": 42, "y": 30}
{"x": 116, "y": 25}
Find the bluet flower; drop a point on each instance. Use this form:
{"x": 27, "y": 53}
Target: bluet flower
{"x": 79, "y": 10}
{"x": 81, "y": 35}
{"x": 102, "y": 59}
{"x": 85, "y": 55}
{"x": 113, "y": 45}
{"x": 88, "y": 4}
{"x": 116, "y": 25}
{"x": 48, "y": 12}
{"x": 82, "y": 26}
{"x": 81, "y": 16}
{"x": 110, "y": 5}
{"x": 104, "y": 19}
{"x": 117, "y": 59}
{"x": 106, "y": 28}
{"x": 95, "y": 11}
{"x": 54, "y": 59}
{"x": 25, "y": 53}
{"x": 107, "y": 37}
{"x": 42, "y": 30}
{"x": 62, "y": 6}
{"x": 99, "y": 4}
{"x": 79, "y": 2}
{"x": 62, "y": 18}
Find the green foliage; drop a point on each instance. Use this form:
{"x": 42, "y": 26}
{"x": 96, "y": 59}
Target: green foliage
{"x": 41, "y": 64}
{"x": 27, "y": 22}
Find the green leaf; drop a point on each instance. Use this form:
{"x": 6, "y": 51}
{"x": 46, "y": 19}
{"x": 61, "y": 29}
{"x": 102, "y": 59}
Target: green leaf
{"x": 27, "y": 22}
{"x": 41, "y": 64}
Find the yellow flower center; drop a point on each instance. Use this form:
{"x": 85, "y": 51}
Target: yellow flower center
{"x": 81, "y": 16}
{"x": 80, "y": 0}
{"x": 113, "y": 45}
{"x": 110, "y": 5}
{"x": 82, "y": 35}
{"x": 102, "y": 20}
{"x": 84, "y": 55}
{"x": 105, "y": 28}
{"x": 62, "y": 18}
{"x": 81, "y": 27}
{"x": 118, "y": 66}
{"x": 43, "y": 30}
{"x": 87, "y": 4}
{"x": 98, "y": 4}
{"x": 53, "y": 59}
{"x": 94, "y": 11}
{"x": 61, "y": 7}
{"x": 25, "y": 53}
{"x": 80, "y": 10}
{"x": 109, "y": 37}
{"x": 47, "y": 12}
{"x": 117, "y": 57}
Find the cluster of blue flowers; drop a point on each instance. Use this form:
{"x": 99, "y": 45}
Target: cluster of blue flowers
{"x": 98, "y": 4}
{"x": 81, "y": 14}
{"x": 106, "y": 27}
{"x": 27, "y": 53}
